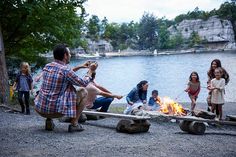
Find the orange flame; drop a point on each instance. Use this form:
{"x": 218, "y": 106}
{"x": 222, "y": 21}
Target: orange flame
{"x": 169, "y": 106}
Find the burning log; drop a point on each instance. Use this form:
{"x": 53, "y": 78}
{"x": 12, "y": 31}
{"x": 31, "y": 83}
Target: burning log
{"x": 171, "y": 107}
{"x": 204, "y": 114}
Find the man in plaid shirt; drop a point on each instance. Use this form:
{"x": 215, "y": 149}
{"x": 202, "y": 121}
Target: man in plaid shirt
{"x": 58, "y": 96}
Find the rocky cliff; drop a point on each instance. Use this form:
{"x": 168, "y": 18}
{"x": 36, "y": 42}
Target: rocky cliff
{"x": 213, "y": 30}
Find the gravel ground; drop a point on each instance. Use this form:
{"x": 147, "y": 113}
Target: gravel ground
{"x": 23, "y": 135}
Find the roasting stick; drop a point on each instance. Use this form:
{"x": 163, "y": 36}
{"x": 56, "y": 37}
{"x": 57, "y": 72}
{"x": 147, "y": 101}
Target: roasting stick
{"x": 179, "y": 95}
{"x": 184, "y": 91}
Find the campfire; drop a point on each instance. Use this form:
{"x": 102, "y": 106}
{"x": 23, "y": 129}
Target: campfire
{"x": 171, "y": 107}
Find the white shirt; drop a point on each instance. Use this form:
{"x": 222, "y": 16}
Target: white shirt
{"x": 217, "y": 96}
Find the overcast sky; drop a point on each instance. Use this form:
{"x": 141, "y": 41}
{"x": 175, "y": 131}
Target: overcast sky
{"x": 127, "y": 10}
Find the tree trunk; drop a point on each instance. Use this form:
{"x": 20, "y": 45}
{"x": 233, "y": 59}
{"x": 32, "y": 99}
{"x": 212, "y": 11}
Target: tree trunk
{"x": 4, "y": 86}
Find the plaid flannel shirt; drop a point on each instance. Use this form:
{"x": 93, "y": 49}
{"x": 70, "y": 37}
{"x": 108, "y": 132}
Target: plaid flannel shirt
{"x": 57, "y": 93}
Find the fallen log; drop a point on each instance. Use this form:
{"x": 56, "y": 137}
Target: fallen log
{"x": 132, "y": 126}
{"x": 192, "y": 127}
{"x": 184, "y": 125}
{"x": 128, "y": 124}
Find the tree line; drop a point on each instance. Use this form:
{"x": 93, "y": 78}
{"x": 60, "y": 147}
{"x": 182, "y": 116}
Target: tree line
{"x": 151, "y": 32}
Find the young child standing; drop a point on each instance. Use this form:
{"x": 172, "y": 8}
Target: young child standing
{"x": 217, "y": 97}
{"x": 23, "y": 84}
{"x": 154, "y": 101}
{"x": 193, "y": 89}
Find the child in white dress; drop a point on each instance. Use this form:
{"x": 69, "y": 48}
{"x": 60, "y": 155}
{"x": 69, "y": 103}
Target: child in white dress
{"x": 217, "y": 87}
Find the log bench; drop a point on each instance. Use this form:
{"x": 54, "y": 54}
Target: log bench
{"x": 191, "y": 124}
{"x": 128, "y": 123}
{"x": 195, "y": 125}
{"x": 231, "y": 117}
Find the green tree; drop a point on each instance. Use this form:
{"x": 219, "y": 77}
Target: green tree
{"x": 175, "y": 41}
{"x": 195, "y": 14}
{"x": 132, "y": 41}
{"x": 147, "y": 32}
{"x": 163, "y": 37}
{"x": 31, "y": 27}
{"x": 111, "y": 33}
{"x": 194, "y": 39}
{"x": 94, "y": 28}
{"x": 122, "y": 35}
{"x": 103, "y": 26}
{"x": 228, "y": 11}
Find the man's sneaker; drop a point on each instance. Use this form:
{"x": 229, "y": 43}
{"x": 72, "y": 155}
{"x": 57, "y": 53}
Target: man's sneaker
{"x": 76, "y": 128}
{"x": 49, "y": 125}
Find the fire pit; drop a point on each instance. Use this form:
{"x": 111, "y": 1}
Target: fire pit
{"x": 171, "y": 107}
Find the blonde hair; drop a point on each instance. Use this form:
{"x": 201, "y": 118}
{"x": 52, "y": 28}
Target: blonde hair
{"x": 27, "y": 67}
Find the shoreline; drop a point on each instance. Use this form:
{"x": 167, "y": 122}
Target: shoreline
{"x": 131, "y": 53}
{"x": 164, "y": 52}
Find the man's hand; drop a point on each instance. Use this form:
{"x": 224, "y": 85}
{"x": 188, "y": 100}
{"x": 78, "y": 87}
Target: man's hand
{"x": 86, "y": 64}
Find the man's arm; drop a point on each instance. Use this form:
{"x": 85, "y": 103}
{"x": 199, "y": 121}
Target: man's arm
{"x": 76, "y": 80}
{"x": 85, "y": 65}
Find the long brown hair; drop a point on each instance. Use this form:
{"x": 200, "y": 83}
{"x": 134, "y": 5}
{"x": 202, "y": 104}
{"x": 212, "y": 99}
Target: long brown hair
{"x": 190, "y": 77}
{"x": 211, "y": 74}
{"x": 140, "y": 88}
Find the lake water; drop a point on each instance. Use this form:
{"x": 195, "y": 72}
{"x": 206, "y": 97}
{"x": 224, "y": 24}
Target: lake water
{"x": 167, "y": 73}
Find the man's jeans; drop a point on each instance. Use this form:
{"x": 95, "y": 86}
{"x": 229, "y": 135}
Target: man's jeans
{"x": 102, "y": 102}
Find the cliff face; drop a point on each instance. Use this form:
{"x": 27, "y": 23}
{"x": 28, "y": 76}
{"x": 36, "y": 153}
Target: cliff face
{"x": 213, "y": 30}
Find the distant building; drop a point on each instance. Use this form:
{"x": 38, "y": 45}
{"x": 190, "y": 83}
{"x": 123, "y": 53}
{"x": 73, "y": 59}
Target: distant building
{"x": 78, "y": 50}
{"x": 100, "y": 46}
